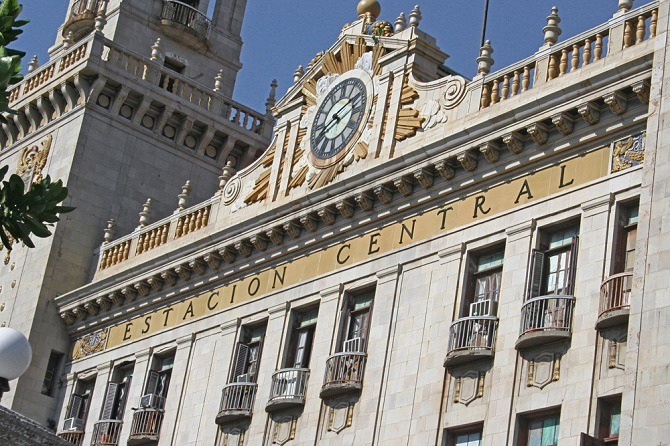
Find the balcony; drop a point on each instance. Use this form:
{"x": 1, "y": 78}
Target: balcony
{"x": 344, "y": 373}
{"x": 106, "y": 433}
{"x": 471, "y": 339}
{"x": 185, "y": 22}
{"x": 288, "y": 389}
{"x": 545, "y": 319}
{"x": 146, "y": 426}
{"x": 614, "y": 300}
{"x": 74, "y": 437}
{"x": 237, "y": 402}
{"x": 82, "y": 18}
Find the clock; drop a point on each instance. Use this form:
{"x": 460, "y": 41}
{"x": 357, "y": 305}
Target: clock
{"x": 340, "y": 118}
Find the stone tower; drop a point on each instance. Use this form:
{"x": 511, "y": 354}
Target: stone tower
{"x": 133, "y": 103}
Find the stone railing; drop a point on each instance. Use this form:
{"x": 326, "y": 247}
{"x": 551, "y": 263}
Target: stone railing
{"x": 157, "y": 234}
{"x": 566, "y": 57}
{"x": 180, "y": 86}
{"x": 186, "y": 15}
{"x": 106, "y": 433}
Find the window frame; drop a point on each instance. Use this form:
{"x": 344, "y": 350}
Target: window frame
{"x": 452, "y": 434}
{"x": 539, "y": 270}
{"x": 349, "y": 312}
{"x": 473, "y": 274}
{"x": 297, "y": 329}
{"x": 606, "y": 409}
{"x": 242, "y": 362}
{"x": 524, "y": 424}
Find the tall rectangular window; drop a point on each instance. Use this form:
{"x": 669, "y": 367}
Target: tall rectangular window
{"x": 114, "y": 404}
{"x": 301, "y": 339}
{"x": 553, "y": 265}
{"x": 248, "y": 354}
{"x": 624, "y": 257}
{"x": 464, "y": 436}
{"x": 51, "y": 374}
{"x": 483, "y": 283}
{"x": 609, "y": 419}
{"x": 158, "y": 382}
{"x": 77, "y": 410}
{"x": 357, "y": 319}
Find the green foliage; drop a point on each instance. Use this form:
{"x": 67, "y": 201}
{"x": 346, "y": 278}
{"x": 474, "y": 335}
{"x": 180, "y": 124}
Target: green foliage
{"x": 31, "y": 212}
{"x": 10, "y": 60}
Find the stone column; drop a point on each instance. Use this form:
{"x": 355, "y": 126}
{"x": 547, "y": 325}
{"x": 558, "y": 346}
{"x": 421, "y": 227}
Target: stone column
{"x": 135, "y": 392}
{"x": 173, "y": 402}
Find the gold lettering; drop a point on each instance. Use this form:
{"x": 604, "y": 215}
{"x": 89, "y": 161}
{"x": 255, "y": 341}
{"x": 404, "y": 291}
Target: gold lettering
{"x": 525, "y": 190}
{"x": 211, "y": 307}
{"x": 405, "y": 230}
{"x": 373, "y": 248}
{"x": 341, "y": 261}
{"x": 479, "y": 205}
{"x": 562, "y": 182}
{"x": 189, "y": 310}
{"x": 166, "y": 312}
{"x": 277, "y": 276}
{"x": 444, "y": 216}
{"x": 126, "y": 334}
{"x": 147, "y": 324}
{"x": 255, "y": 283}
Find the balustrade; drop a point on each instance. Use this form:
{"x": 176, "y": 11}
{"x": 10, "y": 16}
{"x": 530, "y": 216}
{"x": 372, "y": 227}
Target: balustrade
{"x": 192, "y": 221}
{"x": 152, "y": 238}
{"x": 115, "y": 254}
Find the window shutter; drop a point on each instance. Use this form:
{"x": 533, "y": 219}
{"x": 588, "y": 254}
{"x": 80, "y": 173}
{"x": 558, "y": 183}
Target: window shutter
{"x": 535, "y": 277}
{"x": 152, "y": 382}
{"x": 76, "y": 405}
{"x": 574, "y": 246}
{"x": 123, "y": 398}
{"x": 108, "y": 404}
{"x": 241, "y": 359}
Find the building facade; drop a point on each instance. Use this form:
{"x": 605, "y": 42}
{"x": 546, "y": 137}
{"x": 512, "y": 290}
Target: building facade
{"x": 408, "y": 257}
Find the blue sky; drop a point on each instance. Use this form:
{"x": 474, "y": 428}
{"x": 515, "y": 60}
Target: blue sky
{"x": 279, "y": 35}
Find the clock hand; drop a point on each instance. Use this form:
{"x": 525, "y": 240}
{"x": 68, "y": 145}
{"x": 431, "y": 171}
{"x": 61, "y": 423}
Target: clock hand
{"x": 337, "y": 118}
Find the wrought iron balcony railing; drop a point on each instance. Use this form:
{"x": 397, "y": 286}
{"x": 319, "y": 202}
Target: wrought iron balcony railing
{"x": 74, "y": 437}
{"x": 176, "y": 12}
{"x": 237, "y": 401}
{"x": 288, "y": 389}
{"x": 615, "y": 300}
{"x": 106, "y": 433}
{"x": 471, "y": 338}
{"x": 545, "y": 319}
{"x": 344, "y": 373}
{"x": 146, "y": 426}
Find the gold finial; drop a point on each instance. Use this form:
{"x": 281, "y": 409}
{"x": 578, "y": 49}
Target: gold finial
{"x": 371, "y": 7}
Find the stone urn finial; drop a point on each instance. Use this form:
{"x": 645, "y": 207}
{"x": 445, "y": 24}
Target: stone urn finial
{"x": 415, "y": 17}
{"x": 272, "y": 97}
{"x": 110, "y": 230}
{"x": 185, "y": 196}
{"x": 400, "y": 23}
{"x": 68, "y": 41}
{"x": 552, "y": 31}
{"x": 100, "y": 19}
{"x": 145, "y": 215}
{"x": 157, "y": 50}
{"x": 226, "y": 174}
{"x": 625, "y": 5}
{"x": 485, "y": 61}
{"x": 33, "y": 64}
{"x": 369, "y": 8}
{"x": 218, "y": 81}
{"x": 298, "y": 73}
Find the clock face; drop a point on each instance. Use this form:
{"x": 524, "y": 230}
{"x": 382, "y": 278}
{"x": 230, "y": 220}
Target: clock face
{"x": 339, "y": 119}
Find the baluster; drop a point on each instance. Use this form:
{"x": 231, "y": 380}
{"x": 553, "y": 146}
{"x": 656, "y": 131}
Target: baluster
{"x": 198, "y": 219}
{"x": 628, "y": 34}
{"x": 525, "y": 80}
{"x": 205, "y": 217}
{"x": 485, "y": 100}
{"x": 586, "y": 56}
{"x": 246, "y": 120}
{"x": 505, "y": 88}
{"x": 115, "y": 256}
{"x": 165, "y": 234}
{"x": 654, "y": 23}
{"x": 147, "y": 240}
{"x": 180, "y": 227}
{"x": 187, "y": 224}
{"x": 575, "y": 58}
{"x": 176, "y": 86}
{"x": 126, "y": 251}
{"x": 140, "y": 244}
{"x": 152, "y": 242}
{"x": 103, "y": 261}
{"x": 599, "y": 47}
{"x": 516, "y": 81}
{"x": 552, "y": 73}
{"x": 192, "y": 221}
{"x": 563, "y": 66}
{"x": 639, "y": 35}
{"x": 495, "y": 92}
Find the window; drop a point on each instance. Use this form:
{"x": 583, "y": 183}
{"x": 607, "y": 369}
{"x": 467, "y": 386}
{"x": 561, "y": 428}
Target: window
{"x": 464, "y": 436}
{"x": 553, "y": 266}
{"x": 483, "y": 284}
{"x": 357, "y": 322}
{"x": 248, "y": 355}
{"x": 624, "y": 257}
{"x": 51, "y": 375}
{"x": 539, "y": 430}
{"x": 114, "y": 404}
{"x": 77, "y": 410}
{"x": 158, "y": 382}
{"x": 609, "y": 418}
{"x": 302, "y": 336}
